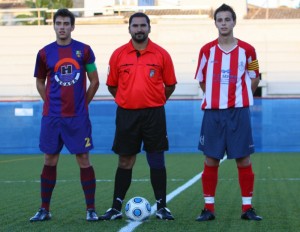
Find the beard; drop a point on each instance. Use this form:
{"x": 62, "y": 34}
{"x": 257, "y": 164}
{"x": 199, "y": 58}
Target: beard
{"x": 139, "y": 37}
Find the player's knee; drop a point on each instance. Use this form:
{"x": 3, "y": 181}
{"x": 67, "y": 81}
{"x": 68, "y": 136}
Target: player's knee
{"x": 243, "y": 162}
{"x": 51, "y": 160}
{"x": 83, "y": 160}
{"x": 209, "y": 161}
{"x": 156, "y": 160}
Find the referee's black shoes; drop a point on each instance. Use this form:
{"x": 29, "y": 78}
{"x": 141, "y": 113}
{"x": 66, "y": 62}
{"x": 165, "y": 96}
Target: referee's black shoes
{"x": 111, "y": 214}
{"x": 164, "y": 214}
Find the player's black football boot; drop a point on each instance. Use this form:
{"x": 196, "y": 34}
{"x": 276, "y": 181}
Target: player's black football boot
{"x": 250, "y": 215}
{"x": 91, "y": 215}
{"x": 206, "y": 215}
{"x": 41, "y": 215}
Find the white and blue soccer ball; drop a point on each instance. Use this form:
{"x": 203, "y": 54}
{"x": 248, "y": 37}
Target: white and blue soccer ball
{"x": 138, "y": 209}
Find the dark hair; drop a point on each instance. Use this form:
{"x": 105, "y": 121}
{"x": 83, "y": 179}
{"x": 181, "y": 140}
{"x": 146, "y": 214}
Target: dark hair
{"x": 225, "y": 7}
{"x": 64, "y": 13}
{"x": 139, "y": 14}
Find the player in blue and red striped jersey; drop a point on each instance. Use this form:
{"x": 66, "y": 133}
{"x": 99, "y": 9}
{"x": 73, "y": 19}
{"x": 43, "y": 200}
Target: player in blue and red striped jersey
{"x": 61, "y": 72}
{"x": 228, "y": 74}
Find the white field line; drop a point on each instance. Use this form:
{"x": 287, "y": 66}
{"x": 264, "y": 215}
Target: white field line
{"x": 144, "y": 180}
{"x": 64, "y": 181}
{"x": 134, "y": 224}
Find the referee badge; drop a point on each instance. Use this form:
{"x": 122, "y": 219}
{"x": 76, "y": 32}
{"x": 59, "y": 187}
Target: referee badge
{"x": 152, "y": 73}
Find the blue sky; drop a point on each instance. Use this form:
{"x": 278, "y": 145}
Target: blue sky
{"x": 275, "y": 3}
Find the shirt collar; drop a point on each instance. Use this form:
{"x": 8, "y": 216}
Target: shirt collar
{"x": 149, "y": 48}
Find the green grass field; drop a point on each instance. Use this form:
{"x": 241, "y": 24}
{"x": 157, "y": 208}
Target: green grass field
{"x": 276, "y": 195}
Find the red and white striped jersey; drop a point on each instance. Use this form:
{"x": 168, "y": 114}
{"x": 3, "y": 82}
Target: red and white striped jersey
{"x": 227, "y": 75}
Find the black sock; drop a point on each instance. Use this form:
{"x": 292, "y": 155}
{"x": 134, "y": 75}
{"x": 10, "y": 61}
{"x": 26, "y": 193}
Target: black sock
{"x": 159, "y": 185}
{"x": 122, "y": 183}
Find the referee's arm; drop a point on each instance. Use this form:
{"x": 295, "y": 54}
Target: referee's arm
{"x": 112, "y": 90}
{"x": 169, "y": 89}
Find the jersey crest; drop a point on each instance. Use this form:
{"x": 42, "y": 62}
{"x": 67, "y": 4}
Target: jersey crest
{"x": 67, "y": 72}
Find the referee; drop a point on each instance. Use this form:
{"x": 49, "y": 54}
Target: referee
{"x": 141, "y": 78}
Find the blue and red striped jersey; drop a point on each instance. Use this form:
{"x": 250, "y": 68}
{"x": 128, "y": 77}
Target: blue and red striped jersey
{"x": 64, "y": 68}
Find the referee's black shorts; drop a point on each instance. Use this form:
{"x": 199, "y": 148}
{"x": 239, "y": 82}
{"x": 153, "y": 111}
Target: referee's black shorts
{"x": 134, "y": 127}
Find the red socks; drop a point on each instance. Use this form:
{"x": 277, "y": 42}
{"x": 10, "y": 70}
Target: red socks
{"x": 209, "y": 185}
{"x": 210, "y": 180}
{"x": 246, "y": 180}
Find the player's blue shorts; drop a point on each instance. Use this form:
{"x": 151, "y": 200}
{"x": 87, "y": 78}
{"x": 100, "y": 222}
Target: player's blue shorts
{"x": 73, "y": 132}
{"x": 226, "y": 131}
{"x": 134, "y": 127}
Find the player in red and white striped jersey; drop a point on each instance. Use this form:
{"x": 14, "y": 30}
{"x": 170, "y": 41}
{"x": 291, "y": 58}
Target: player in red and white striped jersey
{"x": 228, "y": 74}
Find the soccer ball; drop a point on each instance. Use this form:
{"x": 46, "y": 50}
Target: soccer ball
{"x": 138, "y": 209}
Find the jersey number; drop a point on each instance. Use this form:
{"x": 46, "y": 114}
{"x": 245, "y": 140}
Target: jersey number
{"x": 87, "y": 142}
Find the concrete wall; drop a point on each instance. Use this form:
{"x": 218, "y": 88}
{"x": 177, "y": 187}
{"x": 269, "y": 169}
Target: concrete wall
{"x": 277, "y": 43}
{"x": 239, "y": 6}
{"x": 271, "y": 126}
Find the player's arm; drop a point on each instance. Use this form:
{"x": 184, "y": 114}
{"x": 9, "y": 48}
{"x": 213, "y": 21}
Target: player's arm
{"x": 199, "y": 75}
{"x": 253, "y": 70}
{"x": 169, "y": 89}
{"x": 254, "y": 84}
{"x": 202, "y": 86}
{"x": 41, "y": 87}
{"x": 92, "y": 74}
